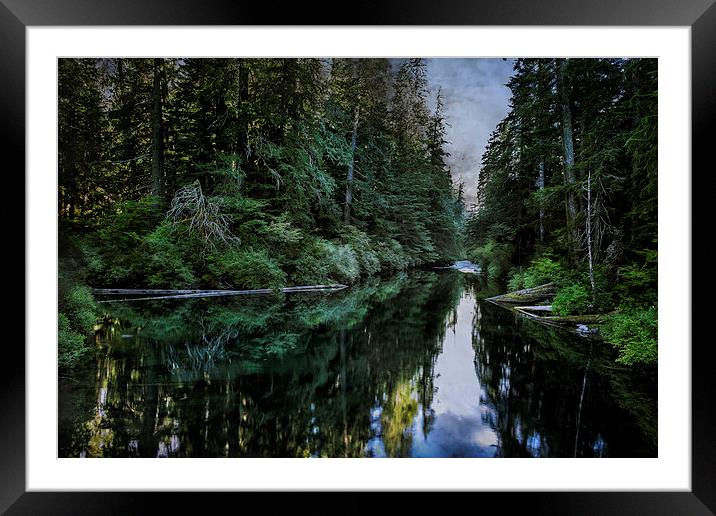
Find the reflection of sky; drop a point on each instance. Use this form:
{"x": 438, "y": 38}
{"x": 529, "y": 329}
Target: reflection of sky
{"x": 458, "y": 430}
{"x": 458, "y": 389}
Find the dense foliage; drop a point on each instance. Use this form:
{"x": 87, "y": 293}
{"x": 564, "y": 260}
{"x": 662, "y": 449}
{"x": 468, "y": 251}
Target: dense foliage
{"x": 76, "y": 319}
{"x": 567, "y": 192}
{"x": 248, "y": 173}
{"x": 252, "y": 172}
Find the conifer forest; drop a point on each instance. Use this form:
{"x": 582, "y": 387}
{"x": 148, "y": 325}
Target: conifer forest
{"x": 323, "y": 257}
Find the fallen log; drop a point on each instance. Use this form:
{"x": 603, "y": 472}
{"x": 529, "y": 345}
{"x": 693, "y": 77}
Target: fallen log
{"x": 185, "y": 294}
{"x": 535, "y": 312}
{"x": 581, "y": 324}
{"x": 108, "y": 291}
{"x": 527, "y": 295}
{"x": 576, "y": 319}
{"x": 539, "y": 313}
{"x": 536, "y": 308}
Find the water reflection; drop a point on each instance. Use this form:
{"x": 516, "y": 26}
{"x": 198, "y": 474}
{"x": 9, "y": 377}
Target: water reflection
{"x": 414, "y": 366}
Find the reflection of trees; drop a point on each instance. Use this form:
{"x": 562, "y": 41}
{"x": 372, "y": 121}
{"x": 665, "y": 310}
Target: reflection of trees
{"x": 317, "y": 375}
{"x": 549, "y": 393}
{"x": 253, "y": 377}
{"x": 398, "y": 413}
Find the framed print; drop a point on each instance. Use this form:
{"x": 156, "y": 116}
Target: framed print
{"x": 262, "y": 245}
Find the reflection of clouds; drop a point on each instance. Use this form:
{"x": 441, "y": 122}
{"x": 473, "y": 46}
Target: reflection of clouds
{"x": 485, "y": 436}
{"x": 457, "y": 387}
{"x": 476, "y": 99}
{"x": 459, "y": 430}
{"x": 454, "y": 436}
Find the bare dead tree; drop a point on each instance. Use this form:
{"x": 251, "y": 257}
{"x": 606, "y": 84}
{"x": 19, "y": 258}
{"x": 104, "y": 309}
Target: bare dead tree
{"x": 596, "y": 223}
{"x": 589, "y": 230}
{"x": 201, "y": 216}
{"x": 349, "y": 179}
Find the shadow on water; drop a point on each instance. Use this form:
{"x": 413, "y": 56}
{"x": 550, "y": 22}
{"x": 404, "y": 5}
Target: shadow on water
{"x": 412, "y": 366}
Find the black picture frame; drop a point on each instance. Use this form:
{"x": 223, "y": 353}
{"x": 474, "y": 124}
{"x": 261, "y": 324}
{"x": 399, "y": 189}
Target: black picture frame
{"x": 700, "y": 15}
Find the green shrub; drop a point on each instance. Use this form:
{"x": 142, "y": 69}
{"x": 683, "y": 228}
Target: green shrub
{"x": 258, "y": 229}
{"x": 634, "y": 332}
{"x": 323, "y": 261}
{"x": 91, "y": 257}
{"x": 343, "y": 262}
{"x": 542, "y": 270}
{"x": 166, "y": 263}
{"x": 115, "y": 253}
{"x": 77, "y": 315}
{"x": 80, "y": 307}
{"x": 492, "y": 257}
{"x": 71, "y": 345}
{"x": 516, "y": 281}
{"x": 362, "y": 245}
{"x": 572, "y": 299}
{"x": 638, "y": 282}
{"x": 310, "y": 266}
{"x": 391, "y": 255}
{"x": 245, "y": 268}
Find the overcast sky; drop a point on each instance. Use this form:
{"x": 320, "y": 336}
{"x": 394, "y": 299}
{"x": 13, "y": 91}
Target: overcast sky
{"x": 476, "y": 99}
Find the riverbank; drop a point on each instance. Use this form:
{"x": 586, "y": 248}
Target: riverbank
{"x": 625, "y": 328}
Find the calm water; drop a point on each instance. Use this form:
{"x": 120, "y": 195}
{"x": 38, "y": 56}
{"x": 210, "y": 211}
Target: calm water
{"x": 413, "y": 366}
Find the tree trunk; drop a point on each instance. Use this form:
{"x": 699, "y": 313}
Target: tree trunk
{"x": 169, "y": 174}
{"x": 71, "y": 214}
{"x": 589, "y": 231}
{"x": 157, "y": 143}
{"x": 70, "y": 166}
{"x": 568, "y": 148}
{"x": 349, "y": 182}
{"x": 243, "y": 98}
{"x": 540, "y": 185}
{"x": 60, "y": 203}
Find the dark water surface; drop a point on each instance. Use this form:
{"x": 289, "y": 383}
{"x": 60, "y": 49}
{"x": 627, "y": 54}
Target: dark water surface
{"x": 413, "y": 366}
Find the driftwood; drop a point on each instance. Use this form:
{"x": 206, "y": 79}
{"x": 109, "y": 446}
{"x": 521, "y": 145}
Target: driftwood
{"x": 542, "y": 313}
{"x": 184, "y": 294}
{"x": 527, "y": 295}
{"x": 536, "y": 308}
{"x": 532, "y": 310}
{"x": 108, "y": 291}
{"x": 535, "y": 313}
{"x": 576, "y": 319}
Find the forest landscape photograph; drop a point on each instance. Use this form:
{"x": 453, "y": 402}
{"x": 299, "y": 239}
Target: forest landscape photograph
{"x": 357, "y": 257}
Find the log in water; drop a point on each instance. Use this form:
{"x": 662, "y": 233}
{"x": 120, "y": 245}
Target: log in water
{"x": 181, "y": 294}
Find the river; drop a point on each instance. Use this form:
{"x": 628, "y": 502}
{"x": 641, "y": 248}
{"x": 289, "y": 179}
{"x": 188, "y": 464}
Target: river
{"x": 417, "y": 365}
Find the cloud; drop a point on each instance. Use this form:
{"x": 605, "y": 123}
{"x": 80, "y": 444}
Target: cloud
{"x": 476, "y": 99}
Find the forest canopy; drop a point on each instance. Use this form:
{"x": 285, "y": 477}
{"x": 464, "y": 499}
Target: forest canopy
{"x": 264, "y": 173}
{"x": 252, "y": 172}
{"x": 567, "y": 192}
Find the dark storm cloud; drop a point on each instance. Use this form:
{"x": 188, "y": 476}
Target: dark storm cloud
{"x": 476, "y": 99}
